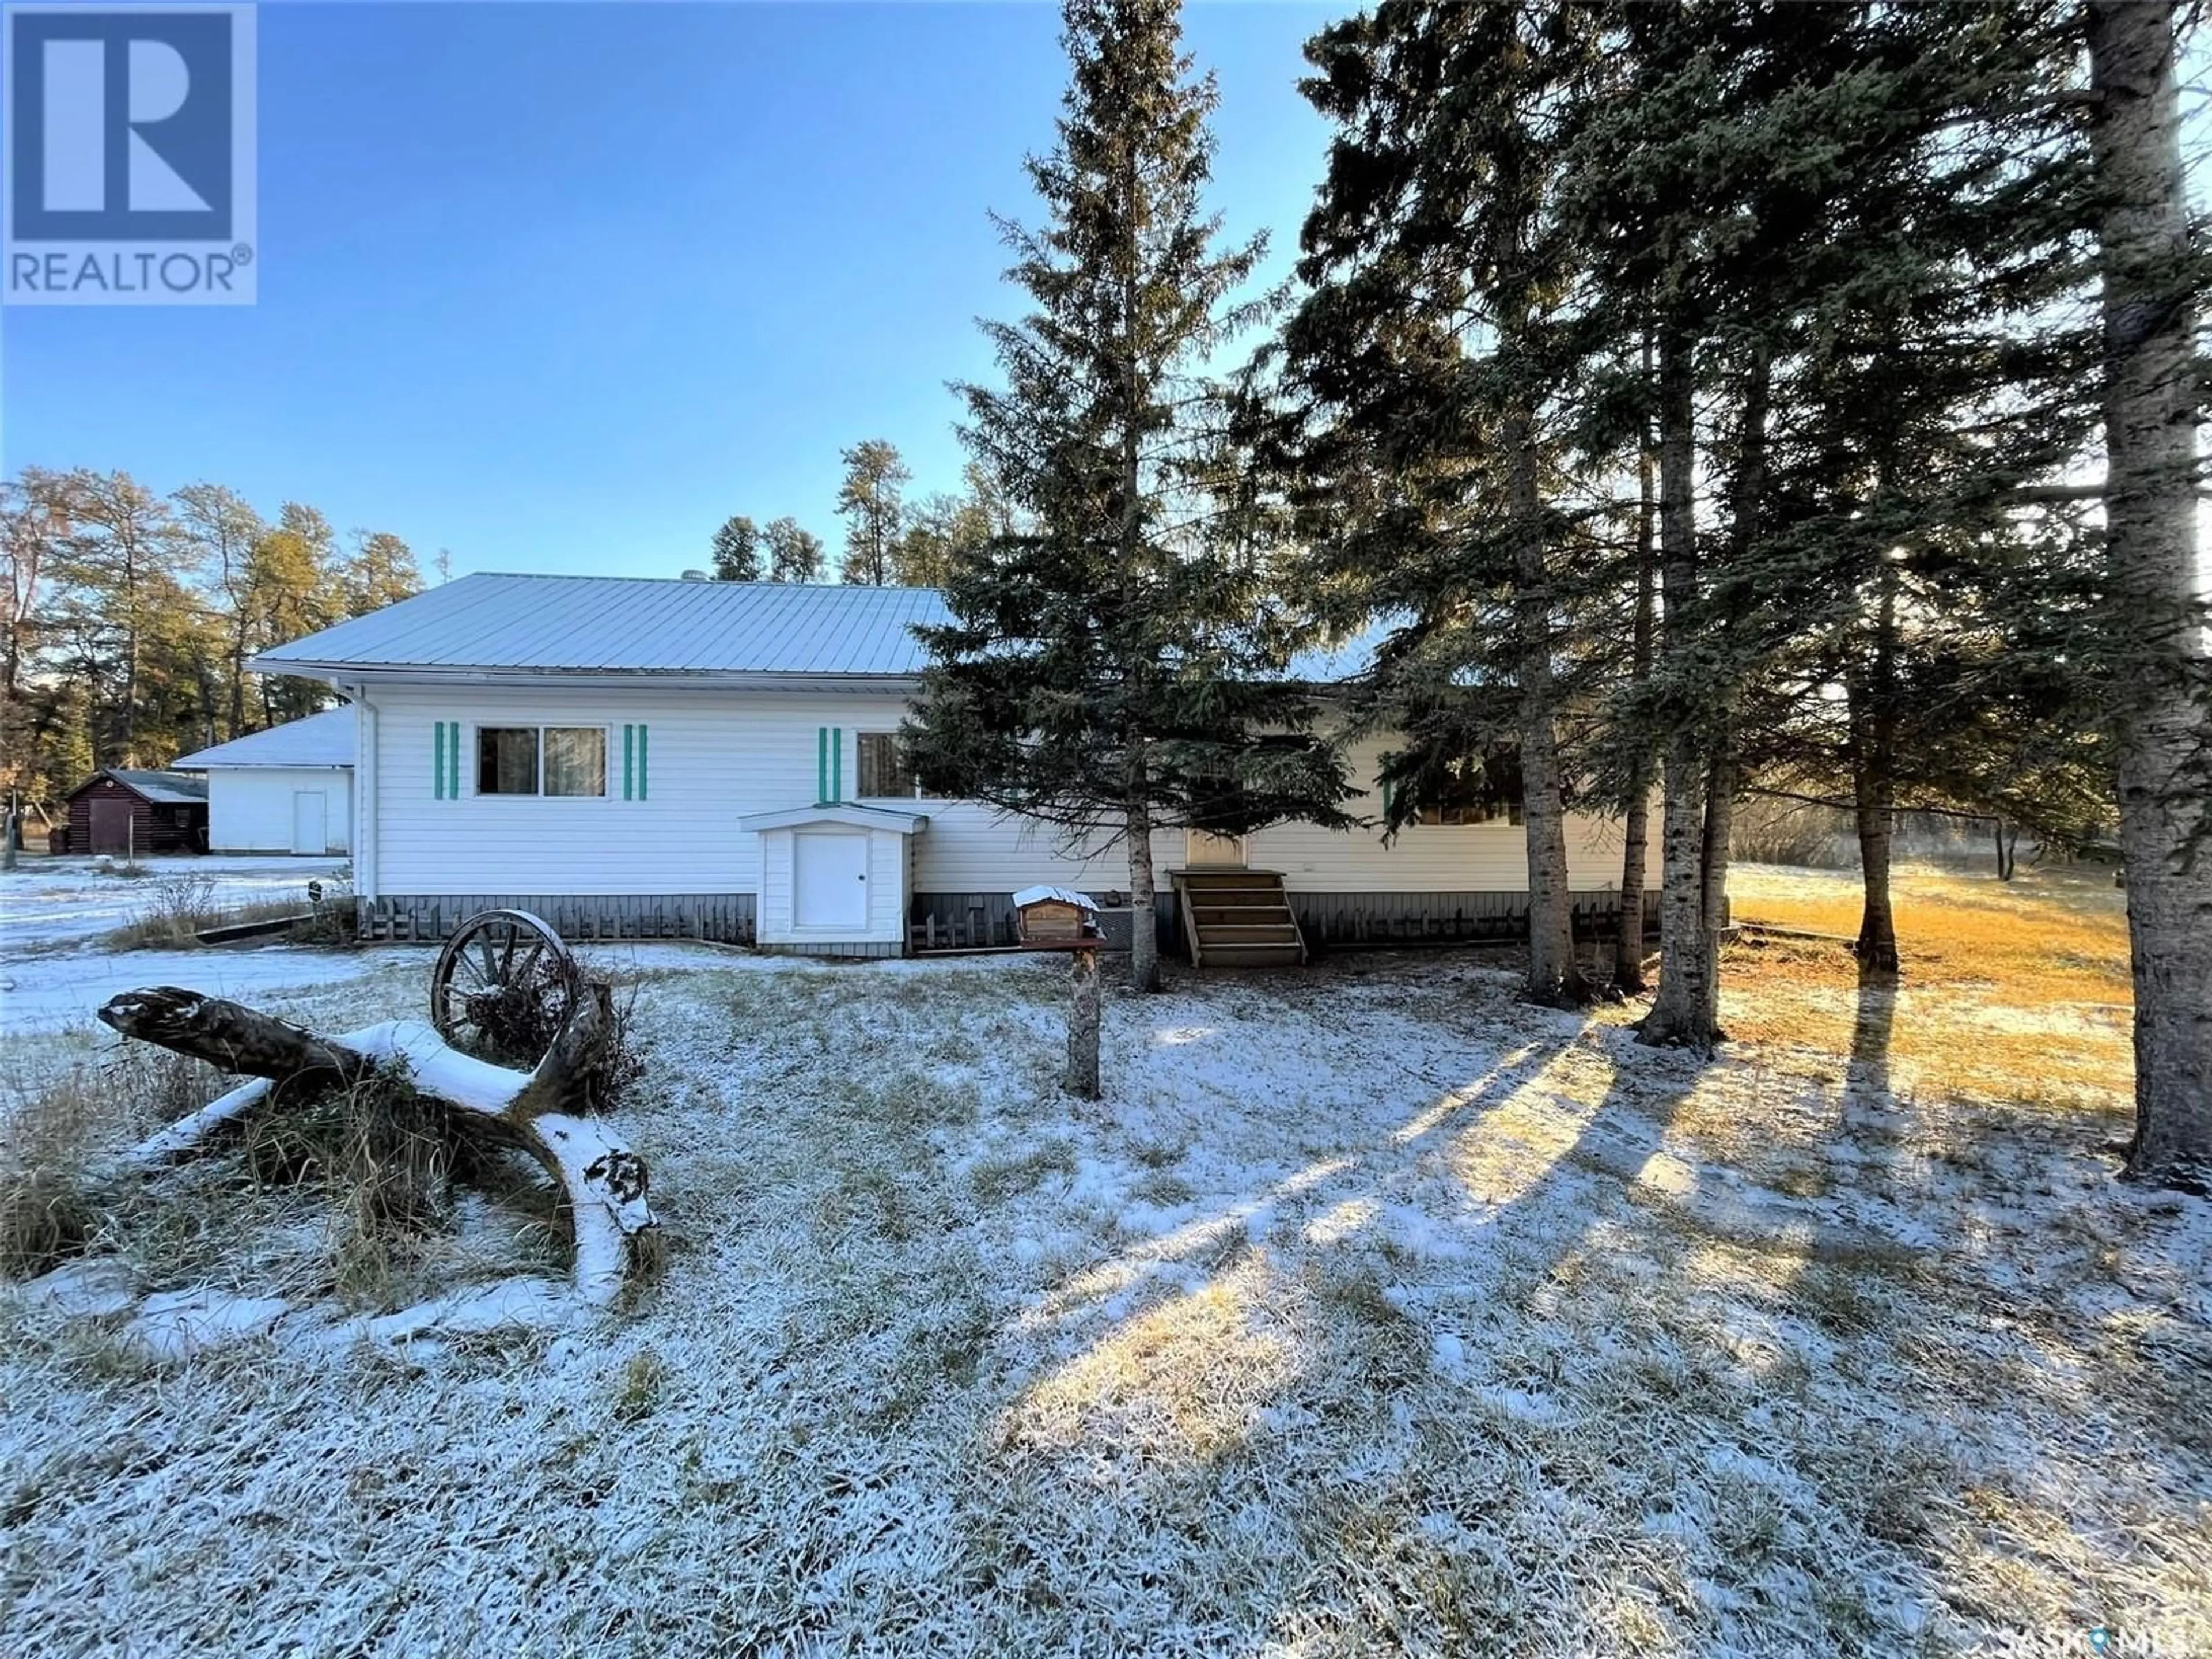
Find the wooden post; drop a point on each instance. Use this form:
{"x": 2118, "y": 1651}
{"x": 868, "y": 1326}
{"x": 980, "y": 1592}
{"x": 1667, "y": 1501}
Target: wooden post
{"x": 1082, "y": 1079}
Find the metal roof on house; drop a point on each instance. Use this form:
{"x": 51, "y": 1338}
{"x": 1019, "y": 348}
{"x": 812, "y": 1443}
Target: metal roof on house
{"x": 324, "y": 739}
{"x": 163, "y": 788}
{"x": 627, "y": 625}
{"x": 552, "y": 625}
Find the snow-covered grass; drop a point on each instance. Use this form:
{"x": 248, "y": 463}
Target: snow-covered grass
{"x": 43, "y": 993}
{"x": 62, "y": 919}
{"x": 56, "y": 903}
{"x": 1370, "y": 1312}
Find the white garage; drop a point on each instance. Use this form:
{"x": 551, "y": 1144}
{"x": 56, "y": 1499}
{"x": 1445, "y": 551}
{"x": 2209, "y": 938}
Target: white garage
{"x": 289, "y": 789}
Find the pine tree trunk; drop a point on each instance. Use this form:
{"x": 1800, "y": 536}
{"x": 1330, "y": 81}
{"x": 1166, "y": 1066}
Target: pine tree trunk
{"x": 1723, "y": 773}
{"x": 1685, "y": 954}
{"x": 1636, "y": 854}
{"x": 2162, "y": 722}
{"x": 1694, "y": 1017}
{"x": 1681, "y": 1013}
{"x": 1876, "y": 947}
{"x": 1873, "y": 714}
{"x": 1143, "y": 924}
{"x": 1635, "y": 860}
{"x": 1553, "y": 979}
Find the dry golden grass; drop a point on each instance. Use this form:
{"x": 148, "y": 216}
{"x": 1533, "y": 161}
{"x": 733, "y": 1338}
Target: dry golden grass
{"x": 53, "y": 1203}
{"x": 2011, "y": 991}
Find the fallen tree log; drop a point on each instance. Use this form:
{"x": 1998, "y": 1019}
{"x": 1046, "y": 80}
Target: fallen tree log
{"x": 534, "y": 1112}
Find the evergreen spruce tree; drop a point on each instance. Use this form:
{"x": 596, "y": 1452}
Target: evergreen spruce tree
{"x": 121, "y": 568}
{"x": 1713, "y": 181}
{"x": 1101, "y": 671}
{"x": 1922, "y": 388}
{"x": 1433, "y": 343}
{"x": 1644, "y": 619}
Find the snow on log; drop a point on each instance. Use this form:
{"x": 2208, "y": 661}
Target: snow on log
{"x": 604, "y": 1181}
{"x": 186, "y": 1133}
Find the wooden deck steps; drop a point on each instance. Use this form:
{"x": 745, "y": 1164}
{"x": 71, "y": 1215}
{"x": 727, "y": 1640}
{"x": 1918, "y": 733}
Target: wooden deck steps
{"x": 1237, "y": 919}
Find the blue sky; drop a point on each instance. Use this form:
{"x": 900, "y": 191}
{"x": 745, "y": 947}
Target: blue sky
{"x": 560, "y": 287}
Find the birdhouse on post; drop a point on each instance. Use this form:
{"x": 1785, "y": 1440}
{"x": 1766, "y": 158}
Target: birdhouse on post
{"x": 1061, "y": 919}
{"x": 1055, "y": 915}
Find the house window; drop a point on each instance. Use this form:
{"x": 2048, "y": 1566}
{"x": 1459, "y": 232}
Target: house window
{"x": 884, "y": 768}
{"x": 541, "y": 760}
{"x": 576, "y": 760}
{"x": 1473, "y": 789}
{"x": 506, "y": 760}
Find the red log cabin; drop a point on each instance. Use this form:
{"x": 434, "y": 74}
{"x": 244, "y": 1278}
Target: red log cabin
{"x": 124, "y": 810}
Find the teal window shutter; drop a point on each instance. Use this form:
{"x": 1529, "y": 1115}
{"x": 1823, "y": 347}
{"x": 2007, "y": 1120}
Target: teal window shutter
{"x": 836, "y": 763}
{"x": 821, "y": 766}
{"x": 633, "y": 762}
{"x": 445, "y": 759}
{"x": 644, "y": 769}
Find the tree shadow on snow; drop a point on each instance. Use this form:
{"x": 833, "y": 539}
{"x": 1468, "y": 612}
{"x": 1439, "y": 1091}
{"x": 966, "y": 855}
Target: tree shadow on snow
{"x": 1341, "y": 1304}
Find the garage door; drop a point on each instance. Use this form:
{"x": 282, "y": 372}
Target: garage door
{"x": 830, "y": 880}
{"x": 110, "y": 825}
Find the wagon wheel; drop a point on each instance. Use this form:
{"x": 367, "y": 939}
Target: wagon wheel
{"x": 503, "y": 986}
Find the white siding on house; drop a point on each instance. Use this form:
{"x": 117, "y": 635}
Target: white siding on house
{"x": 717, "y": 755}
{"x": 712, "y": 758}
{"x": 969, "y": 847}
{"x": 249, "y": 807}
{"x": 1430, "y": 858}
{"x": 972, "y": 848}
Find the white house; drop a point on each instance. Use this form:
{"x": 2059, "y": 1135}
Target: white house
{"x": 289, "y": 789}
{"x": 718, "y": 759}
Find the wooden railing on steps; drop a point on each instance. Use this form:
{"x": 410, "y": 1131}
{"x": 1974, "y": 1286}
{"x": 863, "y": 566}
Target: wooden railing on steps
{"x": 1236, "y": 918}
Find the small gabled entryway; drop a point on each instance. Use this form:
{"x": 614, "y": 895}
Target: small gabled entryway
{"x": 1234, "y": 918}
{"x": 834, "y": 879}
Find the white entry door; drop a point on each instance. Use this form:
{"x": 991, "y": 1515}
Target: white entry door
{"x": 311, "y": 821}
{"x": 830, "y": 879}
{"x": 1199, "y": 848}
